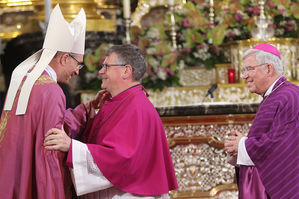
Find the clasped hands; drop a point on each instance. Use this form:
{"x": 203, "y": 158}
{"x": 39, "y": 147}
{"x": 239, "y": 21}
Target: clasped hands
{"x": 232, "y": 142}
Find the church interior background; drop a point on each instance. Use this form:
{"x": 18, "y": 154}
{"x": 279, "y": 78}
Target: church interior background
{"x": 193, "y": 49}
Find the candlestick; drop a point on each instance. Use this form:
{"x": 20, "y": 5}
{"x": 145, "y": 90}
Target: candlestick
{"x": 127, "y": 9}
{"x": 172, "y": 19}
{"x": 263, "y": 31}
{"x": 127, "y": 22}
{"x": 48, "y": 10}
{"x": 211, "y": 14}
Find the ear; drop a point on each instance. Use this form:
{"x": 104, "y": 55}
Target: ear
{"x": 270, "y": 69}
{"x": 128, "y": 72}
{"x": 63, "y": 59}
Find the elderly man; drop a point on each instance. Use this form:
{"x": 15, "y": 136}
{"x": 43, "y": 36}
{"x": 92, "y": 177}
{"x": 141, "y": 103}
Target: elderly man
{"x": 126, "y": 154}
{"x": 269, "y": 156}
{"x": 34, "y": 104}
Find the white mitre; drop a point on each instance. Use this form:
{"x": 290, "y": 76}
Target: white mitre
{"x": 61, "y": 36}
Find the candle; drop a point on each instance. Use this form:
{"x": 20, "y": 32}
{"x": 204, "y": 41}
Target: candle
{"x": 231, "y": 75}
{"x": 211, "y": 3}
{"x": 171, "y": 2}
{"x": 48, "y": 10}
{"x": 127, "y": 9}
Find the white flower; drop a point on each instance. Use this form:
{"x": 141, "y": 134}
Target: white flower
{"x": 153, "y": 33}
{"x": 162, "y": 74}
{"x": 202, "y": 53}
{"x": 236, "y": 31}
{"x": 153, "y": 62}
{"x": 150, "y": 51}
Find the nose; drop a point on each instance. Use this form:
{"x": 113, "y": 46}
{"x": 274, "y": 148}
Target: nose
{"x": 244, "y": 75}
{"x": 101, "y": 71}
{"x": 77, "y": 72}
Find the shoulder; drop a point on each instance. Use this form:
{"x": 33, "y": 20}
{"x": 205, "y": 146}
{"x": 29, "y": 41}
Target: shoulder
{"x": 46, "y": 87}
{"x": 288, "y": 92}
{"x": 285, "y": 97}
{"x": 142, "y": 101}
{"x": 45, "y": 81}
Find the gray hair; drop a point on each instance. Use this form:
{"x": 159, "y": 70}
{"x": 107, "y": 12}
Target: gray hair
{"x": 265, "y": 57}
{"x": 132, "y": 55}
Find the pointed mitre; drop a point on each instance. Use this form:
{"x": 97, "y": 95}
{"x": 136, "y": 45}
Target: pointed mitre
{"x": 61, "y": 36}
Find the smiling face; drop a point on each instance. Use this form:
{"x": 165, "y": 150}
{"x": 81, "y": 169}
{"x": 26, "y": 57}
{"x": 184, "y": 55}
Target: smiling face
{"x": 112, "y": 76}
{"x": 256, "y": 78}
{"x": 69, "y": 68}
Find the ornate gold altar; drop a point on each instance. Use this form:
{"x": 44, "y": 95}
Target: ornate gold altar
{"x": 20, "y": 17}
{"x": 196, "y": 146}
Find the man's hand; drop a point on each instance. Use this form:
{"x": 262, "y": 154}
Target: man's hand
{"x": 232, "y": 142}
{"x": 100, "y": 98}
{"x": 56, "y": 139}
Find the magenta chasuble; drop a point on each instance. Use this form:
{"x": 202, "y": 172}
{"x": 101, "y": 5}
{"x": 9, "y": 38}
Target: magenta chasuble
{"x": 273, "y": 145}
{"x": 27, "y": 169}
{"x": 128, "y": 143}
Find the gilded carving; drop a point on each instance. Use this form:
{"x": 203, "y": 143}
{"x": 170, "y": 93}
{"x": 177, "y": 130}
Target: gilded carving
{"x": 199, "y": 159}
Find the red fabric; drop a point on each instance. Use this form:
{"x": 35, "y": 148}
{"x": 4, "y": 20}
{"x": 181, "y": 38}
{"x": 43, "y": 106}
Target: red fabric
{"x": 128, "y": 143}
{"x": 27, "y": 169}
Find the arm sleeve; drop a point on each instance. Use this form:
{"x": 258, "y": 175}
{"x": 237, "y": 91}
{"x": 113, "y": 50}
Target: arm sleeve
{"x": 75, "y": 120}
{"x": 86, "y": 175}
{"x": 243, "y": 157}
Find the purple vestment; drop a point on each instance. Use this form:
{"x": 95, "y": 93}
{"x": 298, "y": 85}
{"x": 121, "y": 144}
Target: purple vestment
{"x": 273, "y": 144}
{"x": 129, "y": 145}
{"x": 27, "y": 169}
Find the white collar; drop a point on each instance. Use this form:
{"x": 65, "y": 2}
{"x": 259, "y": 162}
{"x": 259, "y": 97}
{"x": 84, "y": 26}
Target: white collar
{"x": 51, "y": 72}
{"x": 270, "y": 88}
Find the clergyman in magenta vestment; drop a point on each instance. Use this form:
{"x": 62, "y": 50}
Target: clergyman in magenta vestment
{"x": 128, "y": 143}
{"x": 273, "y": 146}
{"x": 27, "y": 169}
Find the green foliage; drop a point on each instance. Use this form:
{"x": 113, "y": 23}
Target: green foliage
{"x": 199, "y": 43}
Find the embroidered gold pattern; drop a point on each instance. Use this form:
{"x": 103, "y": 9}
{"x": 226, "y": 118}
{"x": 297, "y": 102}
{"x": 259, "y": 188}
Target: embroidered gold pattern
{"x": 3, "y": 124}
{"x": 44, "y": 79}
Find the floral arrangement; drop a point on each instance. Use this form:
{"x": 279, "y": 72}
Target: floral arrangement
{"x": 92, "y": 62}
{"x": 161, "y": 57}
{"x": 199, "y": 42}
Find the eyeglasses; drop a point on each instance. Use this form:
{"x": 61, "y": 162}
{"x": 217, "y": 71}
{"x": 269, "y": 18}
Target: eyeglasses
{"x": 250, "y": 68}
{"x": 80, "y": 64}
{"x": 105, "y": 66}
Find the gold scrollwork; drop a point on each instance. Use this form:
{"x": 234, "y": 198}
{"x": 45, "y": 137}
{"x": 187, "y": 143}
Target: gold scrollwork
{"x": 212, "y": 141}
{"x": 203, "y": 194}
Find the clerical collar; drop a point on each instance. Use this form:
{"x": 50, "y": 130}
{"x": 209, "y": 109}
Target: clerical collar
{"x": 51, "y": 72}
{"x": 271, "y": 88}
{"x": 126, "y": 90}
